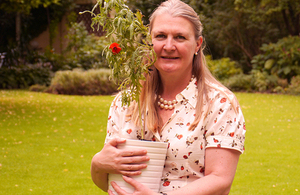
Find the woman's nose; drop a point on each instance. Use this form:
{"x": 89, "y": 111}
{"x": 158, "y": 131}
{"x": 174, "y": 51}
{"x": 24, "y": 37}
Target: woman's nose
{"x": 169, "y": 45}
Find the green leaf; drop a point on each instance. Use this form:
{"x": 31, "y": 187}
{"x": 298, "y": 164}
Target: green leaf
{"x": 131, "y": 28}
{"x": 286, "y": 70}
{"x": 269, "y": 64}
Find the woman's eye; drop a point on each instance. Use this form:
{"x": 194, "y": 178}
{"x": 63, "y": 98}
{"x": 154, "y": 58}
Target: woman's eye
{"x": 160, "y": 36}
{"x": 181, "y": 37}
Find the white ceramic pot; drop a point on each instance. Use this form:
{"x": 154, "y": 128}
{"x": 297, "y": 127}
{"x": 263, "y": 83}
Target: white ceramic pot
{"x": 151, "y": 176}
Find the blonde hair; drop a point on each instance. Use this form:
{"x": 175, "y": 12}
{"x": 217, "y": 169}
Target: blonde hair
{"x": 176, "y": 8}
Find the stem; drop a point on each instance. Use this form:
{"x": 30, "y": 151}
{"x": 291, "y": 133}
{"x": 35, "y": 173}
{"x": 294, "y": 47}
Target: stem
{"x": 141, "y": 121}
{"x": 18, "y": 28}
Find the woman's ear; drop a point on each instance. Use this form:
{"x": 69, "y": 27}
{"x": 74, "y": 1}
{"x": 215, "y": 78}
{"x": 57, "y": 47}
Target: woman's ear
{"x": 199, "y": 43}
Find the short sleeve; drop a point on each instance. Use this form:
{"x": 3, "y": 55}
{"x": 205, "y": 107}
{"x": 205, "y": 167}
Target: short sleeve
{"x": 225, "y": 126}
{"x": 114, "y": 118}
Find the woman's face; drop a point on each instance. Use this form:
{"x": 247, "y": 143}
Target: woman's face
{"x": 174, "y": 43}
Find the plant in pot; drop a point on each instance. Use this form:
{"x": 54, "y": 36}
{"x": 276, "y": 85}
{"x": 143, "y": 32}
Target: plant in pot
{"x": 130, "y": 55}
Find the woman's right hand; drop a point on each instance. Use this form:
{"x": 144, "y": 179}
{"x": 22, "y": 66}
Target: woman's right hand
{"x": 113, "y": 160}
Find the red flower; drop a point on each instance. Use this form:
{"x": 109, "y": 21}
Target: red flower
{"x": 115, "y": 48}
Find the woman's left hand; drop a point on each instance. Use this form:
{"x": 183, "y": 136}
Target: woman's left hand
{"x": 140, "y": 189}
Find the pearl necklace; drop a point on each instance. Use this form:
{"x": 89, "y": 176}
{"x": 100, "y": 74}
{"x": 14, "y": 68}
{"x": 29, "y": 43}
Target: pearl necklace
{"x": 168, "y": 105}
{"x": 164, "y": 104}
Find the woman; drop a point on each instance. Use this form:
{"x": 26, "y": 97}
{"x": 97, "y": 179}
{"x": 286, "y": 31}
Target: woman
{"x": 200, "y": 119}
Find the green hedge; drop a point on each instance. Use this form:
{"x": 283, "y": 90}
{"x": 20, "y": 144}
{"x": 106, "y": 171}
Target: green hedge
{"x": 262, "y": 82}
{"x": 281, "y": 59}
{"x": 240, "y": 82}
{"x": 223, "y": 68}
{"x": 294, "y": 87}
{"x": 80, "y": 82}
{"x": 24, "y": 76}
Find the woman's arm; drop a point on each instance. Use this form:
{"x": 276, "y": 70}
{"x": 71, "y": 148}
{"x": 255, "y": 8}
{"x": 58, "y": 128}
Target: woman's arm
{"x": 220, "y": 168}
{"x": 112, "y": 160}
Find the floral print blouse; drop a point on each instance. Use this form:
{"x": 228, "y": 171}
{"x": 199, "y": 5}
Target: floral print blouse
{"x": 222, "y": 126}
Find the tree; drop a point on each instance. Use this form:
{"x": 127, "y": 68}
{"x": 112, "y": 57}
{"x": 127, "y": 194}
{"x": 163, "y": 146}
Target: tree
{"x": 23, "y": 7}
{"x": 145, "y": 6}
{"x": 271, "y": 19}
{"x": 228, "y": 31}
{"x": 238, "y": 28}
{"x": 31, "y": 17}
{"x": 279, "y": 12}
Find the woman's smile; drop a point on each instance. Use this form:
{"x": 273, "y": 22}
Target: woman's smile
{"x": 169, "y": 57}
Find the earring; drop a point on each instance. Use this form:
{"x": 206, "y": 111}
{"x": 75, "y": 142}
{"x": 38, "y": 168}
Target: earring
{"x": 196, "y": 53}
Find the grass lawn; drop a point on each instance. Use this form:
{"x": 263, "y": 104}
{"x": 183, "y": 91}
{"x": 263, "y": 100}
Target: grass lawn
{"x": 47, "y": 142}
{"x": 270, "y": 163}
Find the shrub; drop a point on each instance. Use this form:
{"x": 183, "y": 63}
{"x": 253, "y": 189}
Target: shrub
{"x": 239, "y": 82}
{"x": 256, "y": 81}
{"x": 223, "y": 68}
{"x": 24, "y": 76}
{"x": 279, "y": 90}
{"x": 263, "y": 82}
{"x": 83, "y": 51}
{"x": 80, "y": 82}
{"x": 280, "y": 59}
{"x": 294, "y": 87}
{"x": 38, "y": 88}
{"x": 57, "y": 61}
{"x": 282, "y": 86}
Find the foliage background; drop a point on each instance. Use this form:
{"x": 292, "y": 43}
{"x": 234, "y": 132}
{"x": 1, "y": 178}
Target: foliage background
{"x": 237, "y": 28}
{"x": 35, "y": 16}
{"x": 47, "y": 141}
{"x": 260, "y": 38}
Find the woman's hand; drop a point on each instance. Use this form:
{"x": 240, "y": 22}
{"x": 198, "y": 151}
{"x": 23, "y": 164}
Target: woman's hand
{"x": 140, "y": 189}
{"x": 113, "y": 160}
